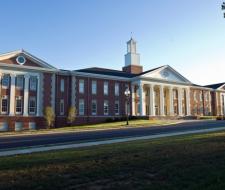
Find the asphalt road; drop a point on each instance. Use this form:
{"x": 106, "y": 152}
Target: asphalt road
{"x": 76, "y": 137}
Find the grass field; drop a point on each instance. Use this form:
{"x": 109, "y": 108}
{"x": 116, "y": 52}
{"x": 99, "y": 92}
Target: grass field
{"x": 110, "y": 125}
{"x": 184, "y": 162}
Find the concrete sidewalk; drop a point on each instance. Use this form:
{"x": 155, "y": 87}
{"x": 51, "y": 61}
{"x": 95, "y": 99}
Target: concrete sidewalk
{"x": 29, "y": 150}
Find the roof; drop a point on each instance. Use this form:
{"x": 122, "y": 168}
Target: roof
{"x": 215, "y": 86}
{"x": 111, "y": 72}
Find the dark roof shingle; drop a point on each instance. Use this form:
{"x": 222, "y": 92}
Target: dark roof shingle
{"x": 215, "y": 86}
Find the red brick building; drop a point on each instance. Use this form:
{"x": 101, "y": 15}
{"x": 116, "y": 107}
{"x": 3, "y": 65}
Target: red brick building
{"x": 28, "y": 85}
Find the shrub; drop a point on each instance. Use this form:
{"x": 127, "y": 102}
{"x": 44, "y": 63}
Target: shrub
{"x": 49, "y": 116}
{"x": 71, "y": 115}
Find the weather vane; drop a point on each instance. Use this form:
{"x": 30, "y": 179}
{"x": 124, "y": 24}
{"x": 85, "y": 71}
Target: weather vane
{"x": 223, "y": 8}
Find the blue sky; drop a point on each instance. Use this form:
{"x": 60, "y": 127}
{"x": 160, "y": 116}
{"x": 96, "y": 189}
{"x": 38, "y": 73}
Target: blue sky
{"x": 73, "y": 34}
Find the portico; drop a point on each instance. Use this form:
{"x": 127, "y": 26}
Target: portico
{"x": 159, "y": 99}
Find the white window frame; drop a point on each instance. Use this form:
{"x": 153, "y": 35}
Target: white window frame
{"x": 200, "y": 96}
{"x": 62, "y": 85}
{"x": 117, "y": 109}
{"x": 81, "y": 86}
{"x": 117, "y": 89}
{"x": 195, "y": 96}
{"x": 7, "y": 106}
{"x": 81, "y": 106}
{"x": 32, "y": 98}
{"x": 106, "y": 107}
{"x": 33, "y": 83}
{"x": 94, "y": 87}
{"x": 19, "y": 98}
{"x": 94, "y": 110}
{"x": 61, "y": 107}
{"x": 5, "y": 78}
{"x": 19, "y": 81}
{"x": 106, "y": 88}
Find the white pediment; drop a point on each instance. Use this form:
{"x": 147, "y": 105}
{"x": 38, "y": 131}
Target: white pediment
{"x": 166, "y": 73}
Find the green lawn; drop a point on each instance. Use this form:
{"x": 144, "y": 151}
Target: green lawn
{"x": 111, "y": 125}
{"x": 184, "y": 162}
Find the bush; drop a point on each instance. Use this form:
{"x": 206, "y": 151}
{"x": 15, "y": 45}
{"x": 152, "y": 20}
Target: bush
{"x": 49, "y": 116}
{"x": 220, "y": 117}
{"x": 71, "y": 115}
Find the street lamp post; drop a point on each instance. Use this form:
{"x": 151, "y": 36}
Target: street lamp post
{"x": 127, "y": 95}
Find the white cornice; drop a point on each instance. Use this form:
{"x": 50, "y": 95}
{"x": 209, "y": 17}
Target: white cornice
{"x": 76, "y": 73}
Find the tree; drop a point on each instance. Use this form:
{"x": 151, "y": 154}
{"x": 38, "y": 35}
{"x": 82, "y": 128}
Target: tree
{"x": 49, "y": 116}
{"x": 223, "y": 8}
{"x": 71, "y": 115}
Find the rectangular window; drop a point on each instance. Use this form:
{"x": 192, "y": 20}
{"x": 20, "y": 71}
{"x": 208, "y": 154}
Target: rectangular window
{"x": 4, "y": 103}
{"x": 62, "y": 85}
{"x": 19, "y": 81}
{"x": 195, "y": 96}
{"x": 106, "y": 88}
{"x": 19, "y": 105}
{"x": 94, "y": 87}
{"x": 81, "y": 107}
{"x": 116, "y": 107}
{"x": 94, "y": 107}
{"x": 33, "y": 83}
{"x": 32, "y": 105}
{"x": 106, "y": 107}
{"x": 200, "y": 96}
{"x": 5, "y": 81}
{"x": 206, "y": 96}
{"x": 61, "y": 107}
{"x": 117, "y": 90}
{"x": 81, "y": 86}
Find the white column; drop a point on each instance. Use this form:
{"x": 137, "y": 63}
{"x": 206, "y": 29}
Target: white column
{"x": 26, "y": 95}
{"x": 141, "y": 99}
{"x": 210, "y": 102}
{"x": 188, "y": 105}
{"x": 151, "y": 100}
{"x": 12, "y": 94}
{"x": 38, "y": 96}
{"x": 133, "y": 99}
{"x": 180, "y": 102}
{"x": 221, "y": 104}
{"x": 171, "y": 101}
{"x": 162, "y": 103}
{"x": 0, "y": 84}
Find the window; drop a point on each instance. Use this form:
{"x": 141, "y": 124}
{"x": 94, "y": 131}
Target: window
{"x": 174, "y": 94}
{"x": 183, "y": 94}
{"x": 33, "y": 83}
{"x": 4, "y": 102}
{"x": 200, "y": 96}
{"x": 126, "y": 86}
{"x": 19, "y": 82}
{"x": 195, "y": 96}
{"x": 32, "y": 105}
{"x": 81, "y": 107}
{"x": 106, "y": 88}
{"x": 206, "y": 96}
{"x": 61, "y": 107}
{"x": 94, "y": 107}
{"x": 117, "y": 90}
{"x": 81, "y": 86}
{"x": 5, "y": 81}
{"x": 62, "y": 85}
{"x": 18, "y": 105}
{"x": 94, "y": 87}
{"x": 106, "y": 107}
{"x": 116, "y": 107}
